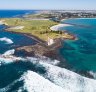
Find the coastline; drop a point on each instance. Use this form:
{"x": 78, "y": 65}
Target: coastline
{"x": 3, "y": 23}
{"x": 57, "y": 27}
{"x": 40, "y": 48}
{"x": 50, "y": 51}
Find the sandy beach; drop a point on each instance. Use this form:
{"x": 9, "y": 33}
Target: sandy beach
{"x": 17, "y": 27}
{"x": 3, "y": 22}
{"x": 57, "y": 27}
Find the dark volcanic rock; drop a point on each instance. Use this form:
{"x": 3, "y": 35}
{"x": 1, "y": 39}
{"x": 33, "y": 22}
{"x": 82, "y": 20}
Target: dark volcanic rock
{"x": 41, "y": 49}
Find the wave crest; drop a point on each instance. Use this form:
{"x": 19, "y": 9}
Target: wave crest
{"x": 33, "y": 82}
{"x": 7, "y": 40}
{"x": 55, "y": 79}
{"x": 58, "y": 78}
{"x": 9, "y": 52}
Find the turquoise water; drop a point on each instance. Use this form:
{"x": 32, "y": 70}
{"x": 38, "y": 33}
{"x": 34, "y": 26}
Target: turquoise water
{"x": 81, "y": 54}
{"x": 25, "y": 75}
{"x": 12, "y": 71}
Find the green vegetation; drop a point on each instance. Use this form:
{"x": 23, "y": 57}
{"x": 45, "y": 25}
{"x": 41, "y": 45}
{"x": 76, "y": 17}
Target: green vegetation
{"x": 41, "y": 15}
{"x": 39, "y": 28}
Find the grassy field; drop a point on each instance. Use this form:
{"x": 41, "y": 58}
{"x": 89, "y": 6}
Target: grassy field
{"x": 39, "y": 28}
{"x": 41, "y": 15}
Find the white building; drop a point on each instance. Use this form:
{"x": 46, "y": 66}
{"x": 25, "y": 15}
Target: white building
{"x": 50, "y": 41}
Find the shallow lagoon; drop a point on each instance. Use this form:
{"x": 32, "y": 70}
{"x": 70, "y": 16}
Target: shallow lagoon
{"x": 81, "y": 54}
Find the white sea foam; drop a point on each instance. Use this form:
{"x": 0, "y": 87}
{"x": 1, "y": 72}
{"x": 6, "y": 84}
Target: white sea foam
{"x": 66, "y": 79}
{"x": 7, "y": 40}
{"x": 33, "y": 82}
{"x": 9, "y": 52}
{"x": 55, "y": 79}
{"x": 8, "y": 57}
{"x": 5, "y": 60}
{"x": 43, "y": 59}
{"x": 69, "y": 80}
{"x": 93, "y": 74}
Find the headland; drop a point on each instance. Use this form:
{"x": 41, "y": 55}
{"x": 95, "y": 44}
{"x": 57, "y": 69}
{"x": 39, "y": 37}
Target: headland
{"x": 44, "y": 30}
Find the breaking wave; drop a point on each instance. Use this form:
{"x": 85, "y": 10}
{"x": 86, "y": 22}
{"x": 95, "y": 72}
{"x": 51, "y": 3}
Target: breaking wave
{"x": 9, "y": 52}
{"x": 6, "y": 40}
{"x": 93, "y": 74}
{"x": 65, "y": 79}
{"x": 8, "y": 57}
{"x": 34, "y": 82}
{"x": 53, "y": 79}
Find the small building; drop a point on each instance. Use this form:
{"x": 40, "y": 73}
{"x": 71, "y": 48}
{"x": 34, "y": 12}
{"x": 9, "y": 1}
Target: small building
{"x": 50, "y": 41}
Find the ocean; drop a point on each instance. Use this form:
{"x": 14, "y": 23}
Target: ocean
{"x": 82, "y": 52}
{"x": 15, "y": 13}
{"x": 31, "y": 74}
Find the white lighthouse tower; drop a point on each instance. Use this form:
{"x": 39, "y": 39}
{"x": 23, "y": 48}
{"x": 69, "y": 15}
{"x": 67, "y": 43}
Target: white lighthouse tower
{"x": 50, "y": 41}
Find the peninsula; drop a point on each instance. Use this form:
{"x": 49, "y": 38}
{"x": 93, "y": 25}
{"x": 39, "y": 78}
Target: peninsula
{"x": 41, "y": 28}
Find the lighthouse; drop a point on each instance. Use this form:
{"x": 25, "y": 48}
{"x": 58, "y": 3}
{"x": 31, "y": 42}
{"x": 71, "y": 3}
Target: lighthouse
{"x": 50, "y": 41}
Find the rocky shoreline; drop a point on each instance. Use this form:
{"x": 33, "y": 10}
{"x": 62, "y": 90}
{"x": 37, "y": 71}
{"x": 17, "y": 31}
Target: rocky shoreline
{"x": 39, "y": 50}
{"x": 42, "y": 49}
